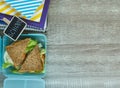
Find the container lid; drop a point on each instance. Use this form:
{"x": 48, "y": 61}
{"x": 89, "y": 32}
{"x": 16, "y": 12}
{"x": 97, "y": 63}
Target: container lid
{"x": 0, "y": 54}
{"x": 24, "y": 83}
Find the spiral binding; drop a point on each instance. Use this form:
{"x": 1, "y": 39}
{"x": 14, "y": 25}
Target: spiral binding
{"x": 29, "y": 28}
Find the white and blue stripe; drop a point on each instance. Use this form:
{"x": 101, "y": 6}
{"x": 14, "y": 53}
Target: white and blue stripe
{"x": 26, "y": 7}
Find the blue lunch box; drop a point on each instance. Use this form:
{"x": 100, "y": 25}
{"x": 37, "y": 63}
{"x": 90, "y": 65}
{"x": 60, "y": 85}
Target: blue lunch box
{"x": 26, "y": 80}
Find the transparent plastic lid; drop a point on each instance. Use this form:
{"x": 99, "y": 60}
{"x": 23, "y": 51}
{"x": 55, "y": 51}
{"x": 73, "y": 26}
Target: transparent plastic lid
{"x": 23, "y": 83}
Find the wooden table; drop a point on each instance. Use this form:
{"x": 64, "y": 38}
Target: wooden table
{"x": 83, "y": 44}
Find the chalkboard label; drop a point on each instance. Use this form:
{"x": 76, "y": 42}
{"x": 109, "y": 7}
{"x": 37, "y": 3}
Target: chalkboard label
{"x": 15, "y": 28}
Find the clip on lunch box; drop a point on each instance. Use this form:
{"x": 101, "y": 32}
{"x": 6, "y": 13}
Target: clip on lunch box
{"x": 22, "y": 80}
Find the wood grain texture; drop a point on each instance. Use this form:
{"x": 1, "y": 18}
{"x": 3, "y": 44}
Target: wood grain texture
{"x": 83, "y": 44}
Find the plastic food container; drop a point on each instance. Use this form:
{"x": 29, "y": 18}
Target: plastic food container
{"x": 22, "y": 80}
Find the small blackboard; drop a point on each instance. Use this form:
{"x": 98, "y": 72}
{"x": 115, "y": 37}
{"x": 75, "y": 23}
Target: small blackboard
{"x": 15, "y": 28}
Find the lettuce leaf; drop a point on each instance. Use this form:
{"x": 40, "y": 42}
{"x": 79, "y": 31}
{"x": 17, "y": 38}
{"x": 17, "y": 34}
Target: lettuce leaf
{"x": 6, "y": 65}
{"x": 43, "y": 51}
{"x": 31, "y": 45}
{"x": 17, "y": 72}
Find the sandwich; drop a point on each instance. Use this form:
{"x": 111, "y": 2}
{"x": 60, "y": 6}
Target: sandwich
{"x": 25, "y": 55}
{"x": 33, "y": 61}
{"x": 17, "y": 51}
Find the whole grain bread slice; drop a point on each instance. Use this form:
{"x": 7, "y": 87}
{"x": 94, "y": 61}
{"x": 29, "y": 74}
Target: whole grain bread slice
{"x": 33, "y": 62}
{"x": 17, "y": 51}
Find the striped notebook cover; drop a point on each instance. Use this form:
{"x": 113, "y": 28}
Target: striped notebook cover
{"x": 40, "y": 23}
{"x": 26, "y": 7}
{"x": 32, "y": 10}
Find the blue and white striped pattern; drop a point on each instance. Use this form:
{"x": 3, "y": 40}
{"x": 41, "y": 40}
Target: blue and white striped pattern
{"x": 26, "y": 7}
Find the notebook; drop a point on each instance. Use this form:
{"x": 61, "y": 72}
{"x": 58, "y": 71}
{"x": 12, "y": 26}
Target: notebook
{"x": 33, "y": 12}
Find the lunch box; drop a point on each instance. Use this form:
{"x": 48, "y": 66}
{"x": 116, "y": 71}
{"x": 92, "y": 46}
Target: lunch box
{"x": 22, "y": 80}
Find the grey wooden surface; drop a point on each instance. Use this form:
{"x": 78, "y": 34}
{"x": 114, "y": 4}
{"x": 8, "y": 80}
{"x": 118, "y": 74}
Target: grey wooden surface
{"x": 83, "y": 44}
